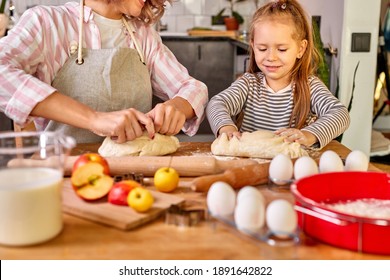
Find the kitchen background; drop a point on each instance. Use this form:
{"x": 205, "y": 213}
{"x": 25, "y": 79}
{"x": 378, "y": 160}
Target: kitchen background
{"x": 340, "y": 19}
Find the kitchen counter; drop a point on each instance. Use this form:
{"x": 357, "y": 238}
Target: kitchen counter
{"x": 83, "y": 239}
{"x": 236, "y": 41}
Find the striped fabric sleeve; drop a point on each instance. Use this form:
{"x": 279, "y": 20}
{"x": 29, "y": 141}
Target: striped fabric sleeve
{"x": 22, "y": 56}
{"x": 333, "y": 117}
{"x": 227, "y": 104}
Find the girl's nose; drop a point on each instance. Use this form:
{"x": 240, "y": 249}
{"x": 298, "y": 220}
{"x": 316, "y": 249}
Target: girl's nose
{"x": 271, "y": 56}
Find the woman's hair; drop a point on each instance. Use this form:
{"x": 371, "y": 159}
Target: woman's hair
{"x": 305, "y": 66}
{"x": 152, "y": 11}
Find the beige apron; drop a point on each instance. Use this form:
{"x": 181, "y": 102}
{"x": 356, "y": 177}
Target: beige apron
{"x": 107, "y": 80}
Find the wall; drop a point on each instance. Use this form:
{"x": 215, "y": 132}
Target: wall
{"x": 185, "y": 14}
{"x": 363, "y": 19}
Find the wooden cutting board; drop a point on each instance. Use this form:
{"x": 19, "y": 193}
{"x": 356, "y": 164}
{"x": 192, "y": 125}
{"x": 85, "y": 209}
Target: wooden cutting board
{"x": 213, "y": 33}
{"x": 121, "y": 217}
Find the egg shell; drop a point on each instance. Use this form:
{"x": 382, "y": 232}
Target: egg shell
{"x": 281, "y": 218}
{"x": 305, "y": 166}
{"x": 356, "y": 161}
{"x": 249, "y": 214}
{"x": 249, "y": 191}
{"x": 330, "y": 162}
{"x": 281, "y": 169}
{"x": 221, "y": 199}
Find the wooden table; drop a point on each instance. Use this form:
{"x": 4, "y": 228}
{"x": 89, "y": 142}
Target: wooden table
{"x": 82, "y": 239}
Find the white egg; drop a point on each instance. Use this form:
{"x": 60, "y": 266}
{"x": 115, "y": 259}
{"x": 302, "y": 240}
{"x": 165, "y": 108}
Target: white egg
{"x": 249, "y": 191}
{"x": 356, "y": 161}
{"x": 330, "y": 162}
{"x": 221, "y": 199}
{"x": 249, "y": 214}
{"x": 305, "y": 166}
{"x": 281, "y": 218}
{"x": 281, "y": 169}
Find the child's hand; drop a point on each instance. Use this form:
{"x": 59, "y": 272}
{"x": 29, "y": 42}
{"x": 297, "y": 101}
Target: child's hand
{"x": 230, "y": 131}
{"x": 295, "y": 135}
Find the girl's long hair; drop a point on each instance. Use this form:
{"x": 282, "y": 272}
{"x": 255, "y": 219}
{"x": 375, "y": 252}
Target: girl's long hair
{"x": 305, "y": 66}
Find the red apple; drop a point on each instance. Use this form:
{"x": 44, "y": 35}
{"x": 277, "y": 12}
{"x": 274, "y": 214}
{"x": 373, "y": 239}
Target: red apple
{"x": 91, "y": 157}
{"x": 140, "y": 199}
{"x": 90, "y": 182}
{"x": 120, "y": 190}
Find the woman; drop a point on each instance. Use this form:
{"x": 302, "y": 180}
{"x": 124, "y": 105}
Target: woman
{"x": 105, "y": 87}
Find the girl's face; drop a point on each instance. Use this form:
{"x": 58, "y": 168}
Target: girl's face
{"x": 276, "y": 50}
{"x": 114, "y": 9}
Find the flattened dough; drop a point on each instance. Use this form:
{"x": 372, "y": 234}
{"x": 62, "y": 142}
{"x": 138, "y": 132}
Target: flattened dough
{"x": 142, "y": 146}
{"x": 261, "y": 143}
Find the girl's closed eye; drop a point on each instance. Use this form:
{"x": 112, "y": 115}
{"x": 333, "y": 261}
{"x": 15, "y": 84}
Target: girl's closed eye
{"x": 261, "y": 49}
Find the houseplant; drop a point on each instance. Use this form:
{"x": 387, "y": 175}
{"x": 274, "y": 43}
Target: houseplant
{"x": 3, "y": 18}
{"x": 234, "y": 19}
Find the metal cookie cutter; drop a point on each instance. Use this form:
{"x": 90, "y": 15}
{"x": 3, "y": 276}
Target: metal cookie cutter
{"x": 179, "y": 216}
{"x": 138, "y": 177}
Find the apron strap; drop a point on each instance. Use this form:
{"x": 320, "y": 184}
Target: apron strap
{"x": 130, "y": 29}
{"x": 80, "y": 48}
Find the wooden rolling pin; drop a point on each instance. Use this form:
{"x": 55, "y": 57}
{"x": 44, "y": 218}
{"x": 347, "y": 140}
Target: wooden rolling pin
{"x": 237, "y": 177}
{"x": 186, "y": 166}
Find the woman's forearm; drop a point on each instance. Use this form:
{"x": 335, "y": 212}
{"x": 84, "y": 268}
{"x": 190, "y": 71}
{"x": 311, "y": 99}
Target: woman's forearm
{"x": 61, "y": 108}
{"x": 182, "y": 105}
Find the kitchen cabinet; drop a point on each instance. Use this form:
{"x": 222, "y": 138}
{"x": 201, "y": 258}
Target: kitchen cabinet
{"x": 5, "y": 123}
{"x": 208, "y": 59}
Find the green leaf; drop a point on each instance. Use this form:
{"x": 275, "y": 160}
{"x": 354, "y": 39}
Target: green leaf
{"x": 2, "y": 6}
{"x": 238, "y": 17}
{"x": 323, "y": 69}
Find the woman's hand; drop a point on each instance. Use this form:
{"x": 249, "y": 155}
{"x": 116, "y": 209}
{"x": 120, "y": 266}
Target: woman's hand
{"x": 295, "y": 135}
{"x": 230, "y": 130}
{"x": 124, "y": 125}
{"x": 167, "y": 118}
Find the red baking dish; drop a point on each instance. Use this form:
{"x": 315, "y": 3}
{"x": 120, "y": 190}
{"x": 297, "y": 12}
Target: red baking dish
{"x": 369, "y": 235}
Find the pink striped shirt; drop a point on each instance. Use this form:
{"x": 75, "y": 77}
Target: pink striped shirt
{"x": 39, "y": 45}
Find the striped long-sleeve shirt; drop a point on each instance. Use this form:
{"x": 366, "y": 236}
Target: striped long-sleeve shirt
{"x": 39, "y": 45}
{"x": 265, "y": 109}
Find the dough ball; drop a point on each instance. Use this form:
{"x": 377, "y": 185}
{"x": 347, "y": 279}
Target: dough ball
{"x": 261, "y": 144}
{"x": 142, "y": 146}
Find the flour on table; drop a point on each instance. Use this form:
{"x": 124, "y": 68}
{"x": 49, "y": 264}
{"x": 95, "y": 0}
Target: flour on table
{"x": 142, "y": 146}
{"x": 261, "y": 143}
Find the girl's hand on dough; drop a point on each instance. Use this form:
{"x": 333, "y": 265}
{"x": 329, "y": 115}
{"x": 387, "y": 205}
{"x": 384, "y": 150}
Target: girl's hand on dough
{"x": 230, "y": 131}
{"x": 302, "y": 137}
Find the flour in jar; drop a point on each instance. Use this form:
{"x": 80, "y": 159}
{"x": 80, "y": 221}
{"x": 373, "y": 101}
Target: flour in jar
{"x": 366, "y": 207}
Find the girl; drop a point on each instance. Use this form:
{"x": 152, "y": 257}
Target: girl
{"x": 90, "y": 70}
{"x": 280, "y": 92}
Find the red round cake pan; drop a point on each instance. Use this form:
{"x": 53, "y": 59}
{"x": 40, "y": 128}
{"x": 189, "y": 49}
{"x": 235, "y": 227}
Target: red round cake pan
{"x": 316, "y": 219}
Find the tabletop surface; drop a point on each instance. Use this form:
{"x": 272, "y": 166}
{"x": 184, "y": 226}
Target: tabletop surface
{"x": 209, "y": 239}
